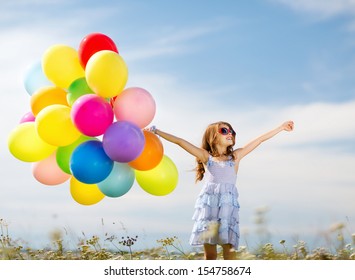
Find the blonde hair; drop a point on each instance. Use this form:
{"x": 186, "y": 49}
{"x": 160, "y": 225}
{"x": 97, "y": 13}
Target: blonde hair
{"x": 209, "y": 143}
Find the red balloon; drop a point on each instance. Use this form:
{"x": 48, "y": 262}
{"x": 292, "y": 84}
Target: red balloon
{"x": 112, "y": 100}
{"x": 92, "y": 44}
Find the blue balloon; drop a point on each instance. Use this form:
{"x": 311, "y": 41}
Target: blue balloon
{"x": 119, "y": 182}
{"x": 89, "y": 163}
{"x": 35, "y": 79}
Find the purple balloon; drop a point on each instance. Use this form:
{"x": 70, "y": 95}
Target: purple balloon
{"x": 123, "y": 141}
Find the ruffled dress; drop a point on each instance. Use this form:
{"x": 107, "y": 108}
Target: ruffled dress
{"x": 216, "y": 215}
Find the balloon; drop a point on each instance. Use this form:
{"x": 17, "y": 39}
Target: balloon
{"x": 46, "y": 96}
{"x": 85, "y": 194}
{"x": 28, "y": 117}
{"x": 135, "y": 105}
{"x": 160, "y": 180}
{"x": 92, "y": 114}
{"x": 106, "y": 73}
{"x": 123, "y": 141}
{"x": 151, "y": 155}
{"x": 55, "y": 126}
{"x": 64, "y": 153}
{"x": 112, "y": 101}
{"x": 34, "y": 78}
{"x": 119, "y": 182}
{"x": 48, "y": 172}
{"x": 25, "y": 144}
{"x": 77, "y": 88}
{"x": 89, "y": 163}
{"x": 61, "y": 65}
{"x": 93, "y": 43}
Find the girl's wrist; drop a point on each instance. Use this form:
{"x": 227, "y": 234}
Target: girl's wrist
{"x": 153, "y": 129}
{"x": 281, "y": 128}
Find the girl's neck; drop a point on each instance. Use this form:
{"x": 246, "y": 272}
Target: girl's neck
{"x": 221, "y": 152}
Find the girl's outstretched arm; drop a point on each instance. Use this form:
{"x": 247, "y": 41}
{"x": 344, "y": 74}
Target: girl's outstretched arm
{"x": 242, "y": 152}
{"x": 199, "y": 153}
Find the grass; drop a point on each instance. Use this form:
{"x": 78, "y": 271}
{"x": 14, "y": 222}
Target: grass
{"x": 169, "y": 248}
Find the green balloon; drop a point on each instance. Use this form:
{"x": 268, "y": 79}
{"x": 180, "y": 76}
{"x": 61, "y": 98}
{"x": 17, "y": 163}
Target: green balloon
{"x": 64, "y": 153}
{"x": 77, "y": 88}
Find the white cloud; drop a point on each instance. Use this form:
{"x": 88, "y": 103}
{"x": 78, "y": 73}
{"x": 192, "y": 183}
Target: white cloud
{"x": 175, "y": 41}
{"x": 322, "y": 8}
{"x": 323, "y": 122}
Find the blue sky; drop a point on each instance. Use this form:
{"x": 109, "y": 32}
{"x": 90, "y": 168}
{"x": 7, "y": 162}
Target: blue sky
{"x": 252, "y": 63}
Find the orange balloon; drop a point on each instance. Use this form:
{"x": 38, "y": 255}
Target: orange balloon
{"x": 46, "y": 96}
{"x": 151, "y": 155}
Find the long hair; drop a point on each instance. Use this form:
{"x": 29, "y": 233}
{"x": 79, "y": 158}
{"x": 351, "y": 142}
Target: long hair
{"x": 209, "y": 143}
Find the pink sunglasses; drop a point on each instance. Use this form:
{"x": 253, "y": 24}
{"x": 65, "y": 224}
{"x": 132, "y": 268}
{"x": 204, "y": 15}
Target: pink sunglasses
{"x": 226, "y": 131}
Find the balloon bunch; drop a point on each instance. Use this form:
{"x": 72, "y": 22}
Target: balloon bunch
{"x": 87, "y": 127}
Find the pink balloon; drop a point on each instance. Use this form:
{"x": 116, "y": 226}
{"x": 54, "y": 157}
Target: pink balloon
{"x": 48, "y": 172}
{"x": 92, "y": 114}
{"x": 28, "y": 117}
{"x": 135, "y": 105}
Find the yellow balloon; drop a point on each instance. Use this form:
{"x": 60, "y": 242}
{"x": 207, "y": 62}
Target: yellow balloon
{"x": 106, "y": 73}
{"x": 54, "y": 126}
{"x": 61, "y": 65}
{"x": 161, "y": 180}
{"x": 46, "y": 96}
{"x": 25, "y": 144}
{"x": 85, "y": 194}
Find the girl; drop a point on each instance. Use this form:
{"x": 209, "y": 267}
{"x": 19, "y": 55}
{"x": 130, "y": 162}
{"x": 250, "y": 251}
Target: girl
{"x": 216, "y": 216}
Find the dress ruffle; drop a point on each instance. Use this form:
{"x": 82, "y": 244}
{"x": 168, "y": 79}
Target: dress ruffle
{"x": 216, "y": 216}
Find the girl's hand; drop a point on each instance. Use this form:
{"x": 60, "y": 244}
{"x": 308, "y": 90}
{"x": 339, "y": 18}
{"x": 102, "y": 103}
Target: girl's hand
{"x": 151, "y": 129}
{"x": 288, "y": 126}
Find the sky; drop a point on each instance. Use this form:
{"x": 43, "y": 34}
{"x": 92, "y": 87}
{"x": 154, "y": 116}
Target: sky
{"x": 252, "y": 63}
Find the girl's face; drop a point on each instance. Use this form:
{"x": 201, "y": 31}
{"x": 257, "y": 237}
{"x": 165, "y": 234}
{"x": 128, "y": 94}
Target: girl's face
{"x": 226, "y": 135}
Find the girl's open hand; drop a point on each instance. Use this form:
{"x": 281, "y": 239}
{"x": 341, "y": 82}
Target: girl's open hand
{"x": 288, "y": 126}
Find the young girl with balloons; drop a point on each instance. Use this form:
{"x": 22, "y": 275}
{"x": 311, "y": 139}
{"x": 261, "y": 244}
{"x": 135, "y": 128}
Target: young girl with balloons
{"x": 216, "y": 216}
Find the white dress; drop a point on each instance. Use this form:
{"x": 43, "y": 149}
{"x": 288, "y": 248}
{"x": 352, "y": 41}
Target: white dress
{"x": 216, "y": 216}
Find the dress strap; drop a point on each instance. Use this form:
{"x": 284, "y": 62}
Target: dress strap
{"x": 209, "y": 161}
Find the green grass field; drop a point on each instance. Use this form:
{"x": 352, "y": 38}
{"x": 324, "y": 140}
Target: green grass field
{"x": 123, "y": 248}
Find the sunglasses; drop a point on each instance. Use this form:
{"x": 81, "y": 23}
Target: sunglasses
{"x": 226, "y": 131}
